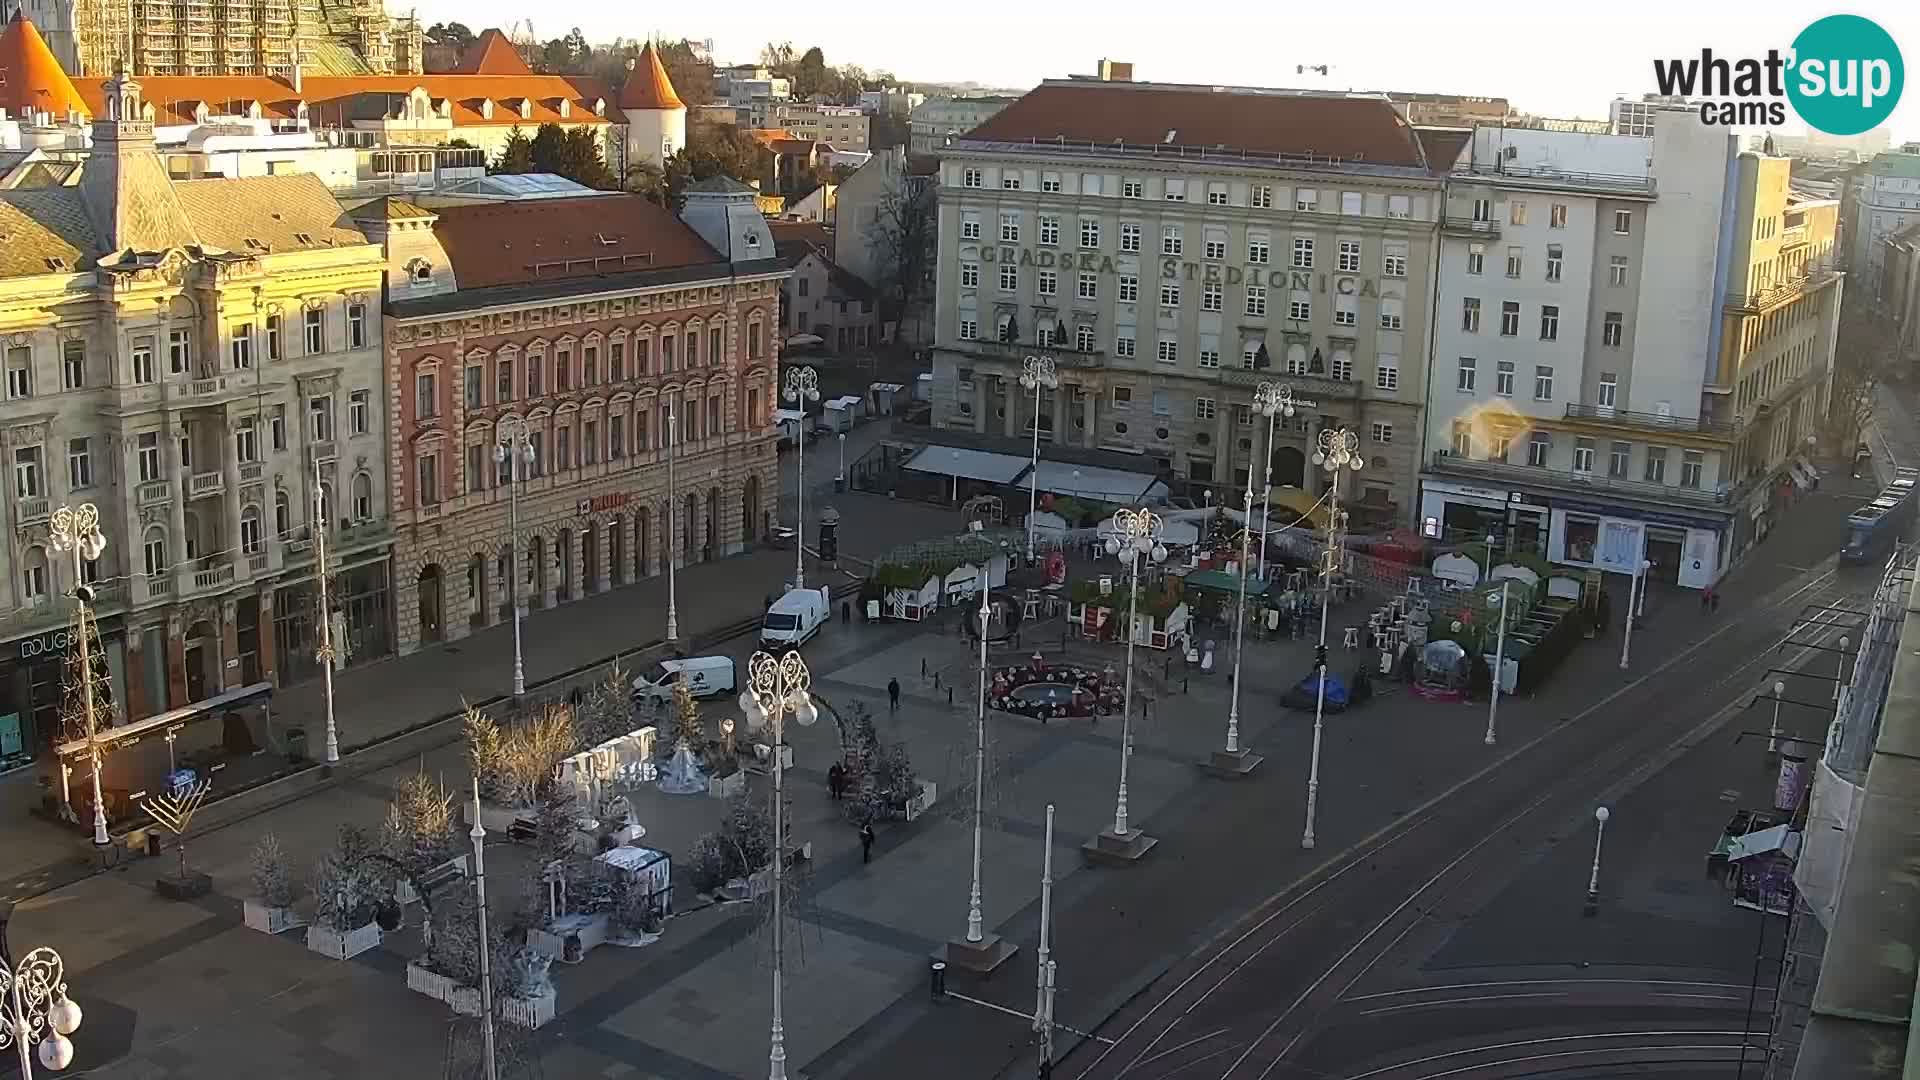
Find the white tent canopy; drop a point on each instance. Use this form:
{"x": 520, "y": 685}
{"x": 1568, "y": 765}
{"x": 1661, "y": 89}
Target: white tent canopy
{"x": 967, "y": 464}
{"x": 1101, "y": 484}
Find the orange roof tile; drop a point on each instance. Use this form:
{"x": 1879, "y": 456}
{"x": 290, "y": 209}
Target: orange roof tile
{"x": 491, "y": 54}
{"x": 647, "y": 85}
{"x": 334, "y": 100}
{"x": 30, "y": 78}
{"x": 515, "y": 243}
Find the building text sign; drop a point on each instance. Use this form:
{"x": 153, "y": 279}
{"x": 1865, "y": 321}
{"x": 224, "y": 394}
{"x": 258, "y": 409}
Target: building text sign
{"x": 1172, "y": 269}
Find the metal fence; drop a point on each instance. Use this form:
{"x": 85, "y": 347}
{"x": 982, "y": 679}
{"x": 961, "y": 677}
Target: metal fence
{"x": 1856, "y": 721}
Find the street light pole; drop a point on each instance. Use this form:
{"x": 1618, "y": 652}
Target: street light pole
{"x": 479, "y": 837}
{"x": 1271, "y": 400}
{"x": 33, "y": 999}
{"x": 1038, "y": 374}
{"x": 673, "y": 501}
{"x": 803, "y": 385}
{"x": 517, "y": 454}
{"x": 1592, "y": 907}
{"x": 1840, "y": 668}
{"x": 1339, "y": 451}
{"x": 1637, "y": 585}
{"x": 78, "y": 531}
{"x": 1136, "y": 539}
{"x": 1773, "y": 729}
{"x": 324, "y": 653}
{"x": 1499, "y": 660}
{"x": 974, "y": 933}
{"x": 1043, "y": 1004}
{"x": 840, "y": 478}
{"x": 775, "y": 688}
{"x": 1233, "y": 761}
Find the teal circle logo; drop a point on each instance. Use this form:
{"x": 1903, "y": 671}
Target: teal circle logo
{"x": 1846, "y": 75}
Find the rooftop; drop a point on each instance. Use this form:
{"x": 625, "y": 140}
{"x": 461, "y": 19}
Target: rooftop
{"x": 492, "y": 54}
{"x": 647, "y": 85}
{"x": 539, "y": 240}
{"x": 31, "y": 80}
{"x": 338, "y": 100}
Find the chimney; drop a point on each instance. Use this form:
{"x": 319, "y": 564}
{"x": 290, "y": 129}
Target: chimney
{"x": 1115, "y": 71}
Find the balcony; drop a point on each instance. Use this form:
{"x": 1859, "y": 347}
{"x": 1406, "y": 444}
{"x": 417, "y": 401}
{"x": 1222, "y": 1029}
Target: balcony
{"x": 160, "y": 585}
{"x": 203, "y": 484}
{"x": 1567, "y": 479}
{"x": 322, "y": 451}
{"x": 1014, "y": 352}
{"x": 1793, "y": 236}
{"x": 1470, "y": 227}
{"x": 1312, "y": 388}
{"x": 251, "y": 473}
{"x": 213, "y": 572}
{"x": 31, "y": 510}
{"x": 257, "y": 563}
{"x": 155, "y": 493}
{"x": 1644, "y": 421}
{"x": 209, "y": 390}
{"x": 1757, "y": 303}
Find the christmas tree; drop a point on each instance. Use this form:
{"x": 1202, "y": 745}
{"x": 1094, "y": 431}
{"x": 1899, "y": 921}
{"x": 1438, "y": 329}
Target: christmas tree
{"x": 422, "y": 829}
{"x": 272, "y": 884}
{"x": 689, "y": 729}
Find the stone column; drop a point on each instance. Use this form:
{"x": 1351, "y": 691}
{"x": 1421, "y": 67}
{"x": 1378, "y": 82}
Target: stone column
{"x": 1091, "y": 438}
{"x": 177, "y": 527}
{"x": 267, "y": 646}
{"x": 176, "y": 662}
{"x": 603, "y": 536}
{"x": 980, "y": 404}
{"x": 230, "y": 675}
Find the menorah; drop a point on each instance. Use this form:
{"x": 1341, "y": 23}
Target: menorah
{"x": 173, "y": 811}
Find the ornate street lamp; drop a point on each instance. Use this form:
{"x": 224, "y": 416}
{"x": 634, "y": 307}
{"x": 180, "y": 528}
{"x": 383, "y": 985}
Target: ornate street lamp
{"x": 1271, "y": 400}
{"x": 34, "y": 1005}
{"x": 1038, "y": 374}
{"x": 803, "y": 385}
{"x": 515, "y": 450}
{"x": 1235, "y": 760}
{"x": 1339, "y": 452}
{"x": 1136, "y": 540}
{"x": 78, "y": 531}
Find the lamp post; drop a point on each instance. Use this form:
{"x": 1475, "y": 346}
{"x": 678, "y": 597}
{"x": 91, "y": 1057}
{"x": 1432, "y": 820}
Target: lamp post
{"x": 1235, "y": 761}
{"x": 1044, "y": 974}
{"x": 479, "y": 837}
{"x": 1037, "y": 374}
{"x": 979, "y": 951}
{"x": 78, "y": 531}
{"x": 1271, "y": 400}
{"x": 1498, "y": 603}
{"x": 34, "y": 1005}
{"x": 803, "y": 385}
{"x": 1840, "y": 668}
{"x": 1600, "y": 815}
{"x": 672, "y": 435}
{"x": 840, "y": 478}
{"x": 1339, "y": 451}
{"x": 1635, "y": 587}
{"x": 775, "y": 688}
{"x": 515, "y": 451}
{"x": 1773, "y": 729}
{"x": 323, "y": 584}
{"x": 1136, "y": 540}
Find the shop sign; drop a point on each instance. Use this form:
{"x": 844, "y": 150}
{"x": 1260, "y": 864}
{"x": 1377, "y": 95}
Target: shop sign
{"x": 602, "y": 503}
{"x": 51, "y": 642}
{"x": 1623, "y": 514}
{"x": 1175, "y": 269}
{"x": 1473, "y": 492}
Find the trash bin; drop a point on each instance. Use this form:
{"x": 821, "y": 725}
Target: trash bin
{"x": 297, "y": 745}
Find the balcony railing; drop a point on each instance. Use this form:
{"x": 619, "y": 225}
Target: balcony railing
{"x": 1470, "y": 227}
{"x": 1781, "y": 293}
{"x": 250, "y": 473}
{"x": 1542, "y": 175}
{"x": 1646, "y": 421}
{"x": 321, "y": 451}
{"x": 1447, "y": 462}
{"x": 208, "y": 483}
{"x": 257, "y": 563}
{"x": 1314, "y": 386}
{"x": 1015, "y": 352}
{"x": 30, "y": 510}
{"x": 159, "y": 585}
{"x": 213, "y": 576}
{"x": 155, "y": 493}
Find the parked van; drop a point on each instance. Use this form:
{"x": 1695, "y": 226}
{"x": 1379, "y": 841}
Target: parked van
{"x": 794, "y": 618}
{"x": 707, "y": 676}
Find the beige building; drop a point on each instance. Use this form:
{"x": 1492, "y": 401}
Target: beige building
{"x": 1172, "y": 246}
{"x": 1450, "y": 110}
{"x": 200, "y": 37}
{"x": 196, "y": 359}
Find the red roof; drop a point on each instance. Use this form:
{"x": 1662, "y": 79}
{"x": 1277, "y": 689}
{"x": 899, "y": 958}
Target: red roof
{"x": 491, "y": 54}
{"x": 647, "y": 85}
{"x": 515, "y": 243}
{"x": 333, "y": 100}
{"x": 30, "y": 78}
{"x": 1148, "y": 114}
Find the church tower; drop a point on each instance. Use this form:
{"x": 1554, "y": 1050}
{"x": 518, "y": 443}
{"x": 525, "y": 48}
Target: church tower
{"x": 656, "y": 117}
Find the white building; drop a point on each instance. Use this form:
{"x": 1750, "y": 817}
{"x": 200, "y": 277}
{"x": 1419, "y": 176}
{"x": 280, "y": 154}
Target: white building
{"x": 1636, "y": 116}
{"x": 843, "y": 127}
{"x": 1886, "y": 199}
{"x": 745, "y": 84}
{"x": 935, "y": 121}
{"x": 893, "y": 99}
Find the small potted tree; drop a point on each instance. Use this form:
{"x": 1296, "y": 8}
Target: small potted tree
{"x": 523, "y": 987}
{"x": 451, "y": 959}
{"x": 422, "y": 832}
{"x": 270, "y": 908}
{"x": 348, "y": 891}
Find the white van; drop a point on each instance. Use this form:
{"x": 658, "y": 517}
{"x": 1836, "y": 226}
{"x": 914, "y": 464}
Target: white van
{"x": 795, "y": 618}
{"x": 707, "y": 676}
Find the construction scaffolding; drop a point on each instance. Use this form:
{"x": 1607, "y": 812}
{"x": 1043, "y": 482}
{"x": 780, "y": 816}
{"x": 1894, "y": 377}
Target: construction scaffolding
{"x": 245, "y": 37}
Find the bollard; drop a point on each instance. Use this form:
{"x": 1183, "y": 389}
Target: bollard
{"x": 1183, "y": 683}
{"x": 923, "y": 667}
{"x": 949, "y": 695}
{"x": 939, "y": 972}
{"x": 936, "y": 680}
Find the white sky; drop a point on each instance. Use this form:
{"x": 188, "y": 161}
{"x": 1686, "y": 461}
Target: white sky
{"x": 1558, "y": 60}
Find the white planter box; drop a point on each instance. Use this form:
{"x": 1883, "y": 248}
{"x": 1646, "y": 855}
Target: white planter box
{"x": 465, "y": 1000}
{"x": 529, "y": 1013}
{"x": 422, "y": 981}
{"x": 552, "y": 939}
{"x": 726, "y": 787}
{"x": 329, "y": 942}
{"x": 269, "y": 920}
{"x": 922, "y": 802}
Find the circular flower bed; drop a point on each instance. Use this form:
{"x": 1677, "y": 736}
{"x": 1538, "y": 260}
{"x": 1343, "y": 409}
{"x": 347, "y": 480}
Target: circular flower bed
{"x": 1046, "y": 691}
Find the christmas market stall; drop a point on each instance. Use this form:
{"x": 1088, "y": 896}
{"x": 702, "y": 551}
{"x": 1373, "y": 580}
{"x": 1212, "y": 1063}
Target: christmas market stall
{"x": 913, "y": 581}
{"x": 1097, "y": 609}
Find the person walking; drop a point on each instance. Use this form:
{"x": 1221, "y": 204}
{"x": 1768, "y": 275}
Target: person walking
{"x": 1706, "y": 600}
{"x": 866, "y": 843}
{"x": 836, "y": 780}
{"x": 893, "y": 695}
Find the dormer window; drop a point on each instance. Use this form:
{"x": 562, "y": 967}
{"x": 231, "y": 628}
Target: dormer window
{"x": 566, "y": 108}
{"x": 599, "y": 106}
{"x": 443, "y": 109}
{"x": 486, "y": 109}
{"x": 253, "y": 110}
{"x": 200, "y": 112}
{"x": 526, "y": 108}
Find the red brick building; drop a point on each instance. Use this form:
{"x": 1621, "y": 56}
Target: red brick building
{"x": 597, "y": 323}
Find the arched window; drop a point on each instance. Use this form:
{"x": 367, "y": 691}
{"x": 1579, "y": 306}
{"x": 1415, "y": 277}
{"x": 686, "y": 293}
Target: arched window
{"x": 282, "y": 514}
{"x": 250, "y": 530}
{"x": 362, "y": 497}
{"x": 33, "y": 576}
{"x": 156, "y": 551}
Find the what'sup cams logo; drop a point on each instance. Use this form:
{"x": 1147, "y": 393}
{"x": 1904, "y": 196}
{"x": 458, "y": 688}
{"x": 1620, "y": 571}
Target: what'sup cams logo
{"x": 1843, "y": 76}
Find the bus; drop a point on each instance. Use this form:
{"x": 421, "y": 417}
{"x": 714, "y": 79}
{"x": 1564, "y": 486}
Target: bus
{"x": 1874, "y": 529}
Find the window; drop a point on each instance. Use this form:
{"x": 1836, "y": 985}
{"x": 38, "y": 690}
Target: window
{"x": 1399, "y": 206}
{"x": 73, "y": 365}
{"x": 1123, "y": 397}
{"x": 1656, "y": 469}
{"x": 1476, "y": 258}
{"x": 427, "y": 488}
{"x": 1257, "y": 300}
{"x": 1260, "y": 197}
{"x": 1209, "y": 357}
{"x": 362, "y": 497}
{"x": 643, "y": 349}
{"x": 563, "y": 448}
{"x": 426, "y": 402}
{"x": 1342, "y": 366}
{"x": 1129, "y": 237}
{"x": 1303, "y": 252}
{"x": 1009, "y": 277}
{"x": 1129, "y": 288}
{"x": 1010, "y": 181}
{"x": 1123, "y": 342}
{"x": 473, "y": 387}
{"x": 1623, "y": 222}
{"x": 147, "y": 456}
{"x": 1542, "y": 383}
{"x": 969, "y": 330}
{"x": 142, "y": 361}
{"x": 1692, "y": 464}
{"x": 1168, "y": 352}
{"x": 1306, "y": 200}
{"x": 320, "y": 419}
{"x": 1617, "y": 458}
{"x": 1463, "y": 440}
{"x": 1175, "y": 190}
{"x": 1386, "y": 372}
{"x": 537, "y": 374}
{"x": 1204, "y": 408}
{"x": 969, "y": 275}
{"x": 278, "y": 427}
{"x": 970, "y": 178}
{"x": 356, "y": 326}
{"x": 1349, "y": 260}
{"x": 283, "y": 508}
{"x": 1212, "y": 296}
{"x": 617, "y": 362}
{"x": 1162, "y": 404}
{"x": 156, "y": 551}
{"x": 1088, "y": 287}
{"x": 1608, "y": 387}
{"x": 1169, "y": 294}
{"x": 1171, "y": 240}
{"x": 19, "y": 372}
{"x": 1539, "y": 448}
{"x": 1299, "y": 307}
{"x": 1610, "y": 330}
{"x": 617, "y": 434}
{"x": 1216, "y": 194}
{"x": 1503, "y": 378}
{"x": 1549, "y": 322}
{"x": 1259, "y": 248}
{"x": 1617, "y": 270}
{"x": 1049, "y": 283}
{"x": 1393, "y": 263}
{"x": 1083, "y": 340}
{"x": 1006, "y": 329}
{"x": 1509, "y": 318}
{"x": 316, "y": 331}
{"x": 1383, "y": 433}
{"x": 1133, "y": 189}
{"x": 273, "y": 337}
{"x": 250, "y": 530}
{"x": 1392, "y": 312}
{"x": 179, "y": 352}
{"x": 1502, "y": 448}
{"x": 1470, "y": 314}
{"x": 1469, "y": 371}
{"x": 1517, "y": 210}
{"x": 1216, "y": 249}
{"x": 79, "y": 464}
{"x": 1483, "y": 209}
{"x": 246, "y": 442}
{"x": 26, "y": 473}
{"x": 1352, "y": 203}
{"x": 970, "y": 225}
{"x": 1049, "y": 229}
{"x": 1050, "y": 182}
{"x": 1582, "y": 454}
{"x": 1553, "y": 262}
{"x": 590, "y": 359}
{"x": 1089, "y": 233}
{"x": 1010, "y": 228}
{"x": 1514, "y": 261}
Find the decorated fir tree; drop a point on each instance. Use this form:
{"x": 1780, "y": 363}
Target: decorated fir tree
{"x": 422, "y": 829}
{"x": 272, "y": 883}
{"x": 689, "y": 728}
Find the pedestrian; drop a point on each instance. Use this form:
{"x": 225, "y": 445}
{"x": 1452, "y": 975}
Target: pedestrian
{"x": 835, "y": 780}
{"x": 866, "y": 842}
{"x": 846, "y": 613}
{"x": 893, "y": 695}
{"x": 1715, "y": 593}
{"x": 1706, "y": 599}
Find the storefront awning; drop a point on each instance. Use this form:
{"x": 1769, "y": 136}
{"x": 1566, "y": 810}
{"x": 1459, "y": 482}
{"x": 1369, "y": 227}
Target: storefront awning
{"x": 1101, "y": 485}
{"x": 967, "y": 464}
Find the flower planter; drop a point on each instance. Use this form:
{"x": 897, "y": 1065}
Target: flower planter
{"x": 436, "y": 986}
{"x": 529, "y": 1013}
{"x": 327, "y": 941}
{"x": 552, "y": 938}
{"x": 403, "y": 891}
{"x": 268, "y": 920}
{"x": 726, "y": 787}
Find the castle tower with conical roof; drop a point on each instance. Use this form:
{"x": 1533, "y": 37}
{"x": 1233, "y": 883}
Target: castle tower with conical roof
{"x": 656, "y": 117}
{"x": 32, "y": 84}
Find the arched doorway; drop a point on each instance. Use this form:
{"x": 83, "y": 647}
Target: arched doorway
{"x": 617, "y": 549}
{"x": 589, "y": 558}
{"x": 477, "y": 591}
{"x": 710, "y": 549}
{"x": 1289, "y": 467}
{"x": 563, "y": 552}
{"x": 688, "y": 515}
{"x": 642, "y": 541}
{"x": 431, "y": 590}
{"x": 202, "y": 656}
{"x": 536, "y": 576}
{"x": 749, "y": 510}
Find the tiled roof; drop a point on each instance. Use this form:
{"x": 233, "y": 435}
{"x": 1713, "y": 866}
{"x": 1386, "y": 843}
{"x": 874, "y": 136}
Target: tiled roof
{"x": 1442, "y": 146}
{"x": 333, "y": 100}
{"x": 30, "y": 78}
{"x": 720, "y": 184}
{"x": 293, "y": 212}
{"x": 790, "y": 235}
{"x": 647, "y": 85}
{"x": 539, "y": 240}
{"x": 41, "y": 224}
{"x": 1145, "y": 115}
{"x": 492, "y": 54}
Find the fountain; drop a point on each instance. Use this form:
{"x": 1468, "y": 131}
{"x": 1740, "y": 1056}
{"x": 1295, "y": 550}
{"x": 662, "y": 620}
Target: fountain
{"x": 683, "y": 774}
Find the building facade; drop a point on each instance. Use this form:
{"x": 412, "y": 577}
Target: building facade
{"x": 200, "y": 360}
{"x": 629, "y": 326}
{"x": 1900, "y": 286}
{"x": 1451, "y": 110}
{"x": 1886, "y": 199}
{"x": 1168, "y": 280}
{"x": 340, "y": 37}
{"x": 843, "y": 127}
{"x": 936, "y": 120}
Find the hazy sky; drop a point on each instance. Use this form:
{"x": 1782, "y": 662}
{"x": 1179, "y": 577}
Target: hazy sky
{"x": 1550, "y": 59}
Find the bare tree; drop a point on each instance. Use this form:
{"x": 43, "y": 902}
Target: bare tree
{"x": 1864, "y": 355}
{"x": 903, "y": 243}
